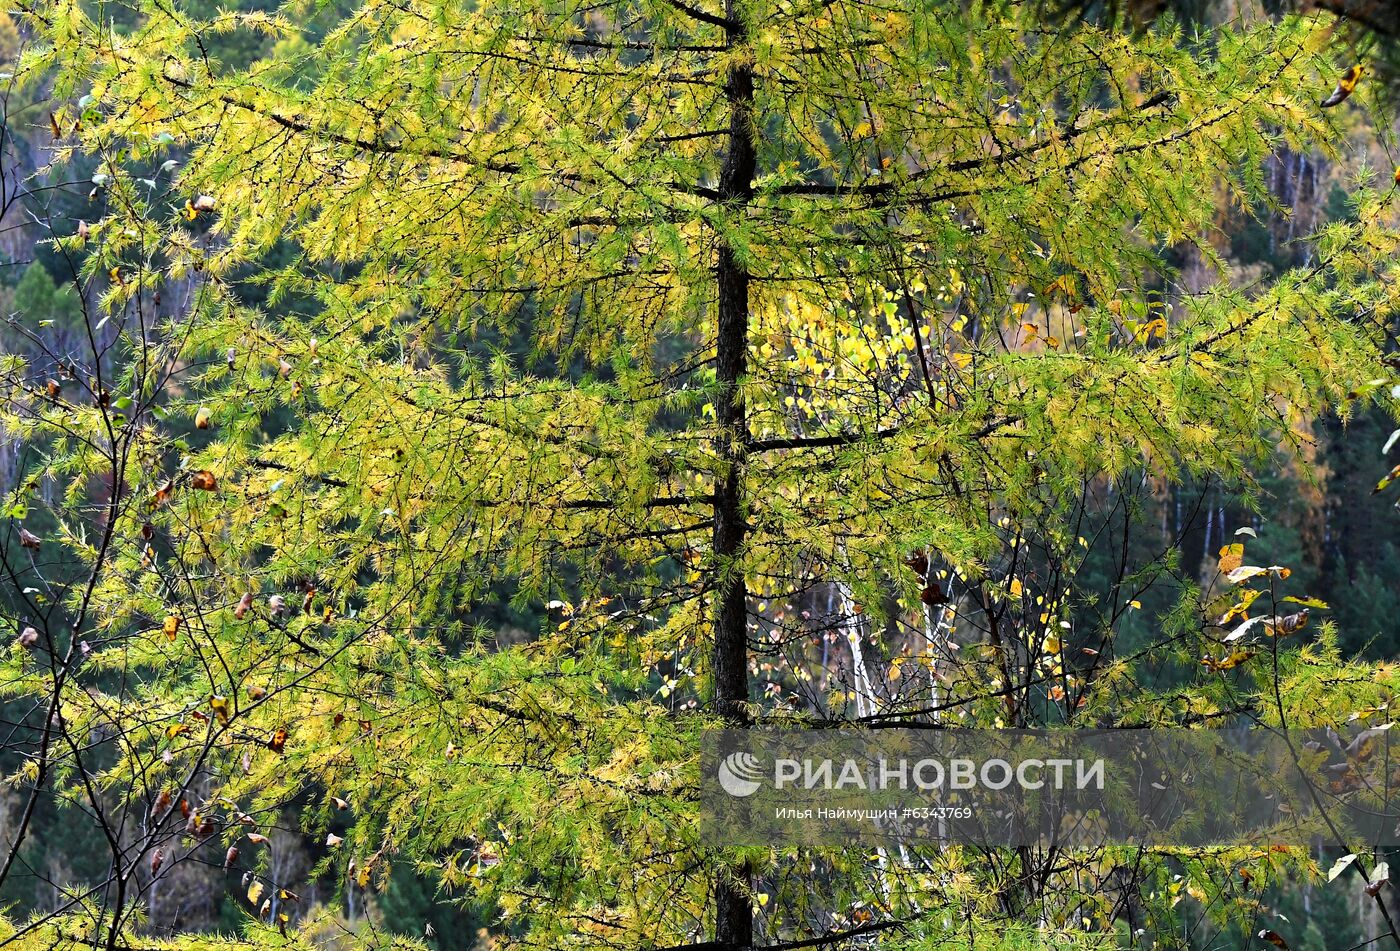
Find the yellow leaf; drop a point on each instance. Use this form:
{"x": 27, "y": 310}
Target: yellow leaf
{"x": 1228, "y": 663}
{"x": 1391, "y": 477}
{"x": 1243, "y": 573}
{"x": 1238, "y": 609}
{"x": 1307, "y": 602}
{"x": 1231, "y": 557}
{"x": 1156, "y": 326}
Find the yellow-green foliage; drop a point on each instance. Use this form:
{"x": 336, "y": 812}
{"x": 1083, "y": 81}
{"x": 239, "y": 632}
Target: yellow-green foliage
{"x": 952, "y": 236}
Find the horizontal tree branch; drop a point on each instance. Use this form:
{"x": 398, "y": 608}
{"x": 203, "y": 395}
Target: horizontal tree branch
{"x": 854, "y": 439}
{"x": 282, "y": 467}
{"x": 874, "y": 189}
{"x": 820, "y": 941}
{"x": 703, "y": 16}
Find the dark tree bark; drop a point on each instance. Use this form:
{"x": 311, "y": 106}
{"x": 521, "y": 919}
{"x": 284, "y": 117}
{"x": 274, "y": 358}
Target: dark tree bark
{"x": 733, "y": 910}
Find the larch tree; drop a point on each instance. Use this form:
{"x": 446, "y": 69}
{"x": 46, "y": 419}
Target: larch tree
{"x": 665, "y": 322}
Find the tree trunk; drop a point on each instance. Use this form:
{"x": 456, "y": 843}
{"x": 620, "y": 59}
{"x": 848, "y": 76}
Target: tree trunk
{"x": 733, "y": 910}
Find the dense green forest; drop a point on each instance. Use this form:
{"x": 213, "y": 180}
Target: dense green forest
{"x": 421, "y": 422}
